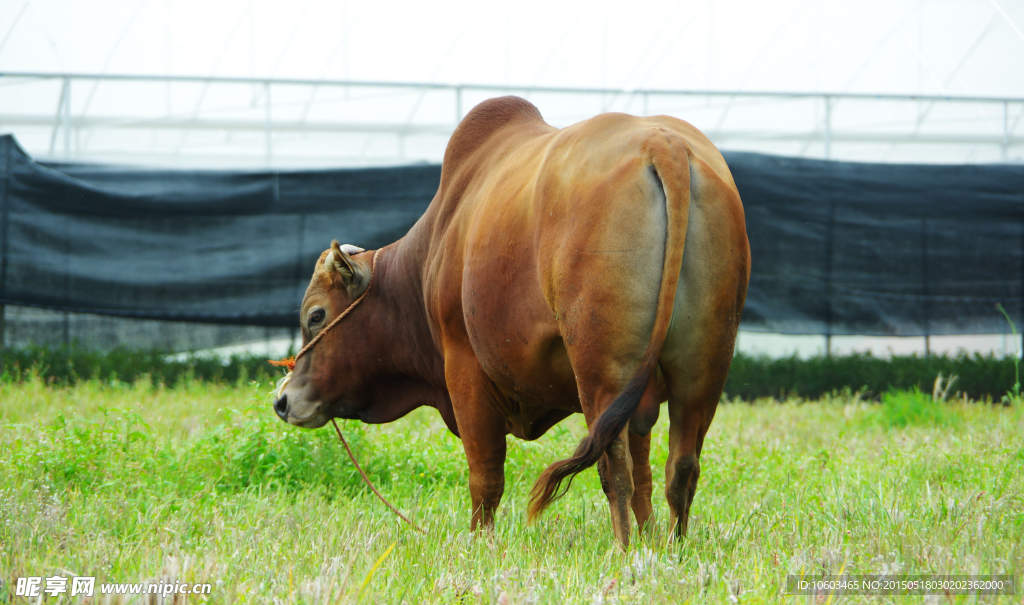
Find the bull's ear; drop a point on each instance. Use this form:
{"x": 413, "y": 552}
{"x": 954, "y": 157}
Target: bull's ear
{"x": 354, "y": 273}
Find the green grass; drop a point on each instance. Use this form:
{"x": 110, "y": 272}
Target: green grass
{"x": 200, "y": 482}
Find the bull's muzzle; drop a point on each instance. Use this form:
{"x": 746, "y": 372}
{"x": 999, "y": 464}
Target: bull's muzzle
{"x": 281, "y": 407}
{"x": 293, "y": 408}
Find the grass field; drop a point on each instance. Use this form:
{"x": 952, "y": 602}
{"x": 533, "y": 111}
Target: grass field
{"x": 202, "y": 483}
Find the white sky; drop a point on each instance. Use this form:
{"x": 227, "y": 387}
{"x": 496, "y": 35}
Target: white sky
{"x": 965, "y": 47}
{"x": 944, "y": 47}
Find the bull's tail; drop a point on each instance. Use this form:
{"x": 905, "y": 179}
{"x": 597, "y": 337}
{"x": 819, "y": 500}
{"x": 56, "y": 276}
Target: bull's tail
{"x": 669, "y": 161}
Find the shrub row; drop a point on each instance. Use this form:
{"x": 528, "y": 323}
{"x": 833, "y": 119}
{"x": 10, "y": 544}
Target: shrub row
{"x": 979, "y": 376}
{"x": 750, "y": 377}
{"x": 69, "y": 365}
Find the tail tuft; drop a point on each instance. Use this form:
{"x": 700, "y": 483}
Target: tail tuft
{"x": 548, "y": 486}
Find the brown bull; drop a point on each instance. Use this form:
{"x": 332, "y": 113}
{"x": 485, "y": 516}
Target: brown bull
{"x": 600, "y": 268}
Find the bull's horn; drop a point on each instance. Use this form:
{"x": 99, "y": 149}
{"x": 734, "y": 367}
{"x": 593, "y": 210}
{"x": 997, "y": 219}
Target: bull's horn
{"x": 351, "y": 249}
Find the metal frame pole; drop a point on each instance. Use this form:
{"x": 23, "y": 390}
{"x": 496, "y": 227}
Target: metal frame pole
{"x": 268, "y": 128}
{"x": 1006, "y": 131}
{"x": 66, "y": 117}
{"x": 58, "y": 116}
{"x": 828, "y": 127}
{"x": 458, "y": 105}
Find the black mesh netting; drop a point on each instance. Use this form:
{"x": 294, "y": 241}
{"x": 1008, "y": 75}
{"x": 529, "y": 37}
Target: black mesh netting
{"x": 838, "y": 248}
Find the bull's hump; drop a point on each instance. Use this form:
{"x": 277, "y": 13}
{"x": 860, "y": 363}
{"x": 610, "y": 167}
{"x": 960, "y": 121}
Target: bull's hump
{"x": 497, "y": 112}
{"x": 483, "y": 121}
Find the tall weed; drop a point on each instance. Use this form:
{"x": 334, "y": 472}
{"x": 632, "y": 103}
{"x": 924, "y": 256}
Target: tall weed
{"x": 901, "y": 409}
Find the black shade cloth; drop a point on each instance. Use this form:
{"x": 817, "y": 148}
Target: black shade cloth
{"x": 233, "y": 247}
{"x": 881, "y": 249}
{"x": 838, "y": 248}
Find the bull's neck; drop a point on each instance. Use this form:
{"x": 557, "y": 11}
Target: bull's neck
{"x": 404, "y": 330}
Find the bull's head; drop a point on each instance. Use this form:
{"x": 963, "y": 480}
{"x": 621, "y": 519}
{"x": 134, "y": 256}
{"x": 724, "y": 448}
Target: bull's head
{"x": 324, "y": 383}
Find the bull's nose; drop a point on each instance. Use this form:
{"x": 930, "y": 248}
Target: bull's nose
{"x": 281, "y": 407}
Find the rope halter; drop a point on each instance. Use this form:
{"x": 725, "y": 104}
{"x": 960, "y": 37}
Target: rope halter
{"x": 291, "y": 361}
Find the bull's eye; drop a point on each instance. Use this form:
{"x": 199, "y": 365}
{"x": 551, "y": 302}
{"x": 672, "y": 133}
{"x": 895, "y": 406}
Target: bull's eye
{"x": 315, "y": 317}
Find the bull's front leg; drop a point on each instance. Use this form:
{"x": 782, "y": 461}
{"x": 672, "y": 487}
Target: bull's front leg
{"x": 484, "y": 443}
{"x": 482, "y": 429}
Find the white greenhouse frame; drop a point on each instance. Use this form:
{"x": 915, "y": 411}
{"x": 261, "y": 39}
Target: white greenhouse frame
{"x": 255, "y": 130}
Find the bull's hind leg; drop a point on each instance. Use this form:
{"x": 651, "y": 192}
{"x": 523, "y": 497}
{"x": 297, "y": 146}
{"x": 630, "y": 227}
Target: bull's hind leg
{"x": 625, "y": 467}
{"x": 689, "y": 420}
{"x": 625, "y": 471}
{"x": 643, "y": 484}
{"x": 695, "y": 360}
{"x": 616, "y": 471}
{"x": 640, "y": 425}
{"x": 601, "y": 378}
